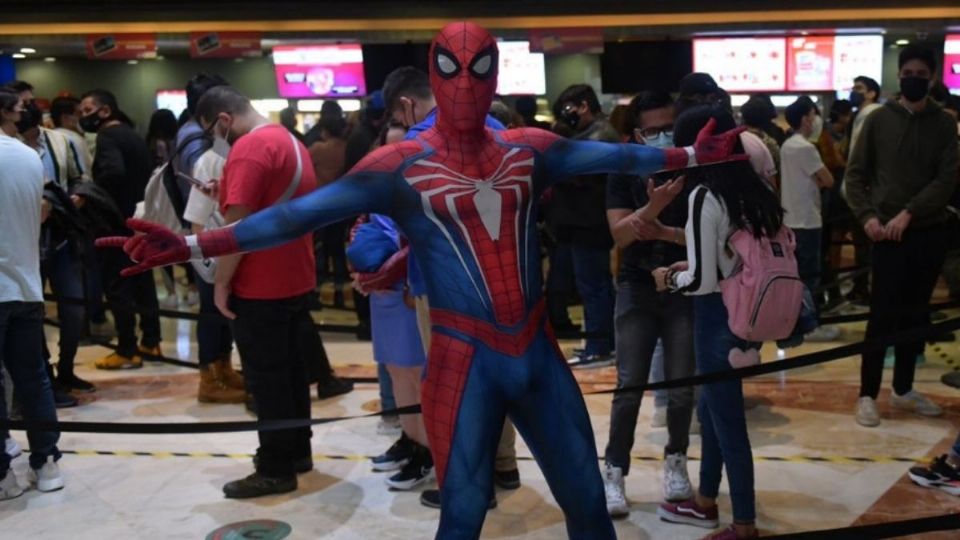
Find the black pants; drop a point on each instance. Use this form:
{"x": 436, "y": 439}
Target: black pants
{"x": 269, "y": 338}
{"x": 314, "y": 353}
{"x": 214, "y": 340}
{"x": 904, "y": 275}
{"x": 127, "y": 298}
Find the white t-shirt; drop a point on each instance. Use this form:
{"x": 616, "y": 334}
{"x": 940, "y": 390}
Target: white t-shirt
{"x": 707, "y": 230}
{"x": 799, "y": 193}
{"x": 200, "y": 207}
{"x": 858, "y": 122}
{"x": 21, "y": 190}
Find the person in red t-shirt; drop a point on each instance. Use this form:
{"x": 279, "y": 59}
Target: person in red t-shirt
{"x": 266, "y": 293}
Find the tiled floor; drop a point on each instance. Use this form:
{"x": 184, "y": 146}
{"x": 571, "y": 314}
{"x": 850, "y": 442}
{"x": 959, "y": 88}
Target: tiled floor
{"x": 856, "y": 475}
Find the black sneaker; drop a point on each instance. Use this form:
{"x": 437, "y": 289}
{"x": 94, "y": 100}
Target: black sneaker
{"x": 70, "y": 382}
{"x": 257, "y": 485}
{"x": 332, "y": 387}
{"x": 507, "y": 479}
{"x": 939, "y": 474}
{"x": 591, "y": 360}
{"x": 431, "y": 499}
{"x": 62, "y": 399}
{"x": 395, "y": 457}
{"x": 418, "y": 471}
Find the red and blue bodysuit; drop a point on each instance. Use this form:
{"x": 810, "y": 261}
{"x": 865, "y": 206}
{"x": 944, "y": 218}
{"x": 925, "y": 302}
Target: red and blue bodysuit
{"x": 464, "y": 196}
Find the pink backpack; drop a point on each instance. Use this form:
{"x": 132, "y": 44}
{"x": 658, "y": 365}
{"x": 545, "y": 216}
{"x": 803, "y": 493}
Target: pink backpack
{"x": 764, "y": 296}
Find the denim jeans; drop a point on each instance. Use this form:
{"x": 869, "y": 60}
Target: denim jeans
{"x": 645, "y": 316}
{"x": 591, "y": 270}
{"x": 904, "y": 276}
{"x": 723, "y": 425}
{"x": 21, "y": 335}
{"x": 214, "y": 339}
{"x": 808, "y": 259}
{"x": 269, "y": 336}
{"x": 657, "y": 375}
{"x": 64, "y": 272}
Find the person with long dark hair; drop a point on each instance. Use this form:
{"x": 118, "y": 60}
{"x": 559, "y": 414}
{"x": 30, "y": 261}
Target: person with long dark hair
{"x": 728, "y": 197}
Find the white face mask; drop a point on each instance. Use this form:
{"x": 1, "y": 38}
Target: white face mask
{"x": 817, "y": 129}
{"x": 661, "y": 141}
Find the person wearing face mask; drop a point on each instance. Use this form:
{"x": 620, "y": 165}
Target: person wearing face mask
{"x": 576, "y": 217}
{"x": 121, "y": 166}
{"x": 865, "y": 98}
{"x": 901, "y": 175}
{"x": 644, "y": 316}
{"x": 804, "y": 175}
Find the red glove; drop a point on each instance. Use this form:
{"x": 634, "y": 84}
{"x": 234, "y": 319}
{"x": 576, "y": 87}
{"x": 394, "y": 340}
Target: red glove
{"x": 708, "y": 148}
{"x": 154, "y": 246}
{"x": 391, "y": 271}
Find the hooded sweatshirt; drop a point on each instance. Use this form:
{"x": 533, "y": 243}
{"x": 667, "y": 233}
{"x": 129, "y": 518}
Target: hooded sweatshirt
{"x": 903, "y": 160}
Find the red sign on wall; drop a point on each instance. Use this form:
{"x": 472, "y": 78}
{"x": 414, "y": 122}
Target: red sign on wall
{"x": 225, "y": 44}
{"x": 121, "y": 46}
{"x": 567, "y": 40}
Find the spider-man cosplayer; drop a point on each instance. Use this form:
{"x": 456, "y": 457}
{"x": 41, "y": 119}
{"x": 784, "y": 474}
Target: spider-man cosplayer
{"x": 464, "y": 196}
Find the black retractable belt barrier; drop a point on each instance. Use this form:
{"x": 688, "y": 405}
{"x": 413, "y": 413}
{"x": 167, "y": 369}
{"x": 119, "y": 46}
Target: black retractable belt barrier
{"x": 810, "y": 359}
{"x": 947, "y": 522}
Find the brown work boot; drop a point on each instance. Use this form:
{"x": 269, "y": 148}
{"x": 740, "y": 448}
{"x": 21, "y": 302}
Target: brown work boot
{"x": 213, "y": 390}
{"x": 229, "y": 377}
{"x": 116, "y": 361}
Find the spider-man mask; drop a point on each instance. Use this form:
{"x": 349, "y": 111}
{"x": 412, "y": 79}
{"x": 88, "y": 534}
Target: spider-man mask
{"x": 463, "y": 75}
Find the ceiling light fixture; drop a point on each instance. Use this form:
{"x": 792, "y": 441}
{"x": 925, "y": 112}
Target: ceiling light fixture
{"x": 18, "y": 56}
{"x": 902, "y": 42}
{"x": 49, "y": 59}
{"x": 28, "y": 50}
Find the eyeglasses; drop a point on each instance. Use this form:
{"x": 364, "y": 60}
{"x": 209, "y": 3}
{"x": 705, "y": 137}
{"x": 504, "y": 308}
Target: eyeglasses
{"x": 651, "y": 133}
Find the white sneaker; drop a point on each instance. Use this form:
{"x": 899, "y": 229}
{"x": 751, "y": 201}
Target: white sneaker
{"x": 12, "y": 448}
{"x": 9, "y": 488}
{"x": 170, "y": 302}
{"x": 613, "y": 488}
{"x": 659, "y": 417}
{"x": 867, "y": 413}
{"x": 823, "y": 334}
{"x": 48, "y": 477}
{"x": 676, "y": 481}
{"x": 914, "y": 401}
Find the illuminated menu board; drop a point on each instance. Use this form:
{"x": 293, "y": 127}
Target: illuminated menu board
{"x": 819, "y": 63}
{"x": 951, "y": 61}
{"x": 855, "y": 56}
{"x": 743, "y": 64}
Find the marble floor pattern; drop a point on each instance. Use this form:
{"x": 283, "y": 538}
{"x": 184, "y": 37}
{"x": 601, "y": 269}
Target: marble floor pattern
{"x": 815, "y": 467}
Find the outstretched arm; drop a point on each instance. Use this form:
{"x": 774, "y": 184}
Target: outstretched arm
{"x": 565, "y": 158}
{"x": 361, "y": 191}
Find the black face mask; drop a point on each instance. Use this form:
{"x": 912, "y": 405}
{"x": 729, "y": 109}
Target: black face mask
{"x": 570, "y": 117}
{"x": 29, "y": 118}
{"x": 857, "y": 99}
{"x": 91, "y": 122}
{"x": 914, "y": 89}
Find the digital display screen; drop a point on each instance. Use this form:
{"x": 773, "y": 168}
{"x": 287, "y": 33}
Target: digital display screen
{"x": 743, "y": 64}
{"x": 951, "y": 61}
{"x": 175, "y": 100}
{"x": 311, "y": 71}
{"x": 521, "y": 72}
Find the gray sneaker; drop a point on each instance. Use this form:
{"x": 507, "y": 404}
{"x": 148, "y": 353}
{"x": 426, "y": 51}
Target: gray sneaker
{"x": 613, "y": 488}
{"x": 914, "y": 401}
{"x": 676, "y": 481}
{"x": 9, "y": 488}
{"x": 48, "y": 477}
{"x": 867, "y": 413}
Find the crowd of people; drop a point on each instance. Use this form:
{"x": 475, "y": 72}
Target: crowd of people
{"x": 878, "y": 173}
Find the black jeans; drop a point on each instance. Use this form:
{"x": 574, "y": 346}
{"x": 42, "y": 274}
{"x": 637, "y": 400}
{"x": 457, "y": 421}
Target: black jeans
{"x": 127, "y": 298}
{"x": 269, "y": 338}
{"x": 642, "y": 317}
{"x": 214, "y": 339}
{"x": 21, "y": 336}
{"x": 64, "y": 271}
{"x": 904, "y": 275}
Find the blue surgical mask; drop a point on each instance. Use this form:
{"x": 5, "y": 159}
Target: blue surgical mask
{"x": 661, "y": 140}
